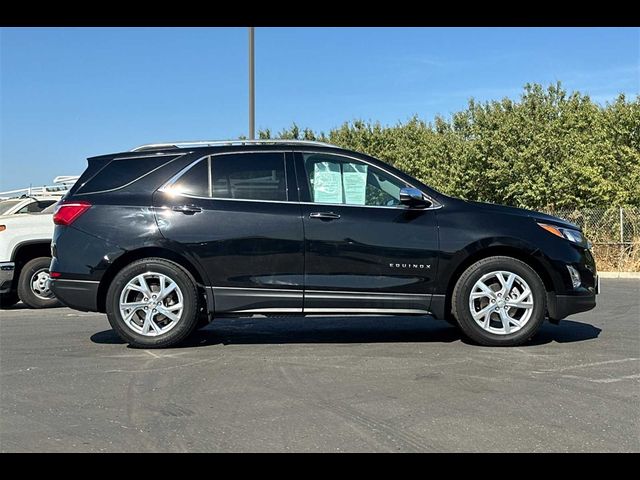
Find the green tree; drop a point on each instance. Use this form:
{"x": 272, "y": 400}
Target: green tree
{"x": 548, "y": 149}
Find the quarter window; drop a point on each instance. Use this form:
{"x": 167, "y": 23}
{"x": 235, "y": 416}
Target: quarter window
{"x": 195, "y": 181}
{"x": 341, "y": 180}
{"x": 120, "y": 172}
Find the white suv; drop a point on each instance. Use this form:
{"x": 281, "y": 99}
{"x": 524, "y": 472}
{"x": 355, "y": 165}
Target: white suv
{"x": 25, "y": 255}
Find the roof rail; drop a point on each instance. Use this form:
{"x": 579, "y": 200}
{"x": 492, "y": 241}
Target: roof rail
{"x": 213, "y": 143}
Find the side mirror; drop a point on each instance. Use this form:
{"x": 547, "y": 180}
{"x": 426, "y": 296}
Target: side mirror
{"x": 413, "y": 198}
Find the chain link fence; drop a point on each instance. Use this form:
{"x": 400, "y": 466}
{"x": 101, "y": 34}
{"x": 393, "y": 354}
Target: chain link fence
{"x": 614, "y": 232}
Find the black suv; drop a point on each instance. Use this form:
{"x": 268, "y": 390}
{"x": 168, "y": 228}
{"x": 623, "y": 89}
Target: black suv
{"x": 167, "y": 236}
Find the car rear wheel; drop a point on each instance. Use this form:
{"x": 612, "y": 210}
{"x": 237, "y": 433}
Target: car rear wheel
{"x": 499, "y": 301}
{"x": 153, "y": 303}
{"x": 33, "y": 284}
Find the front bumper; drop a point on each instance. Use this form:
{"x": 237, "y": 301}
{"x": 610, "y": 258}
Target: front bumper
{"x": 561, "y": 306}
{"x": 7, "y": 270}
{"x": 569, "y": 298}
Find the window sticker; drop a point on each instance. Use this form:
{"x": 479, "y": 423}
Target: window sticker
{"x": 354, "y": 179}
{"x": 327, "y": 184}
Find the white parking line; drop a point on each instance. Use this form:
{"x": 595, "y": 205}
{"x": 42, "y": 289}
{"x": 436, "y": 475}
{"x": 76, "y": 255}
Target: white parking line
{"x": 586, "y": 365}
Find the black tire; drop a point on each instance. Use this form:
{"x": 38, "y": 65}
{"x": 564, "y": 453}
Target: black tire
{"x": 183, "y": 328}
{"x": 8, "y": 299}
{"x": 462, "y": 291}
{"x": 25, "y": 291}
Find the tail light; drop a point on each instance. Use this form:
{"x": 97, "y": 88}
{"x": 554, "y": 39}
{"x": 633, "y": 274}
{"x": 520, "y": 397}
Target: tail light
{"x": 67, "y": 213}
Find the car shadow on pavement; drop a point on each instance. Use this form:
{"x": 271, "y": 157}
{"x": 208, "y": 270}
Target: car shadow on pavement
{"x": 286, "y": 330}
{"x": 567, "y": 331}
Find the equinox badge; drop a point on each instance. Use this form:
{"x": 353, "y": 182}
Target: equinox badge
{"x": 417, "y": 266}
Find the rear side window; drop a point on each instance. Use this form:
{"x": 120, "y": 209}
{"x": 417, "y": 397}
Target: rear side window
{"x": 118, "y": 173}
{"x": 40, "y": 205}
{"x": 249, "y": 176}
{"x": 245, "y": 176}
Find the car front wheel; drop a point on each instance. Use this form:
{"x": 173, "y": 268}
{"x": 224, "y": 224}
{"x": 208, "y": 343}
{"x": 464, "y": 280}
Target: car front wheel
{"x": 153, "y": 303}
{"x": 499, "y": 301}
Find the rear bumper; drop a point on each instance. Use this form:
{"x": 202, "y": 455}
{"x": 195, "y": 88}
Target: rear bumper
{"x": 561, "y": 306}
{"x": 7, "y": 270}
{"x": 77, "y": 294}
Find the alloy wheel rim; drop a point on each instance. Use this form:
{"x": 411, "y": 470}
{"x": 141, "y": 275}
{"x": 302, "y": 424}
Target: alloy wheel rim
{"x": 501, "y": 302}
{"x": 40, "y": 284}
{"x": 151, "y": 304}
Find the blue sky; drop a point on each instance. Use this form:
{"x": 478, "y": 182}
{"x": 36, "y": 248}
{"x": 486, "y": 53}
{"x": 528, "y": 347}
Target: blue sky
{"x": 70, "y": 93}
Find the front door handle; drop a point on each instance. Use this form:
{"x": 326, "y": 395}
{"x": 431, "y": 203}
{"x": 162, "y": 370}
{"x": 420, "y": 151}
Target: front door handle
{"x": 324, "y": 215}
{"x": 186, "y": 209}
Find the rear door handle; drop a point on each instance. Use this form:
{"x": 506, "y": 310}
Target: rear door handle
{"x": 324, "y": 215}
{"x": 186, "y": 209}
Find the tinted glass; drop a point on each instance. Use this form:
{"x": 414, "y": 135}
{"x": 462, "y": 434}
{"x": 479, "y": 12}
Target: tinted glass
{"x": 38, "y": 206}
{"x": 7, "y": 205}
{"x": 195, "y": 181}
{"x": 335, "y": 179}
{"x": 118, "y": 173}
{"x": 50, "y": 209}
{"x": 249, "y": 176}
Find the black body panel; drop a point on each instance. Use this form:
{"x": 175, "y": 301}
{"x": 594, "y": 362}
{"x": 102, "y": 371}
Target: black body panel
{"x": 467, "y": 228}
{"x": 77, "y": 294}
{"x": 376, "y": 250}
{"x": 239, "y": 244}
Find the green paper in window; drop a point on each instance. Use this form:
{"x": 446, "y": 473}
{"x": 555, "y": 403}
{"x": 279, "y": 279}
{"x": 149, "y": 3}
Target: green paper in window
{"x": 354, "y": 179}
{"x": 327, "y": 185}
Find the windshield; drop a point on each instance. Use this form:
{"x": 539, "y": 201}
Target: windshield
{"x": 7, "y": 205}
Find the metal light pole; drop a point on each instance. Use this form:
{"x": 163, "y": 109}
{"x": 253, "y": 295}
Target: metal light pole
{"x": 252, "y": 88}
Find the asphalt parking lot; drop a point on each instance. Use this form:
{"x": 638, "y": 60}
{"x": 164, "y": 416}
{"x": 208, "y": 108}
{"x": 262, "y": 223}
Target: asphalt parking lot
{"x": 323, "y": 385}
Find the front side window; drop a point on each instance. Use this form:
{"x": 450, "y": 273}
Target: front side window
{"x": 341, "y": 180}
{"x": 242, "y": 176}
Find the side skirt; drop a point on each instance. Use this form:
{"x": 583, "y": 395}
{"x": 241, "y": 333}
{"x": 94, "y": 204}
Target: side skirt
{"x": 250, "y": 301}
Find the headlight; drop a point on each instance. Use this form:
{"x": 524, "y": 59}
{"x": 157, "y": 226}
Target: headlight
{"x": 567, "y": 233}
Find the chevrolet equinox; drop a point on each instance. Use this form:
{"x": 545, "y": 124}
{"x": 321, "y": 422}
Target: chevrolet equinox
{"x": 166, "y": 237}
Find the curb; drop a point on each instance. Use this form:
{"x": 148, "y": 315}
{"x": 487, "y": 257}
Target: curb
{"x": 619, "y": 274}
